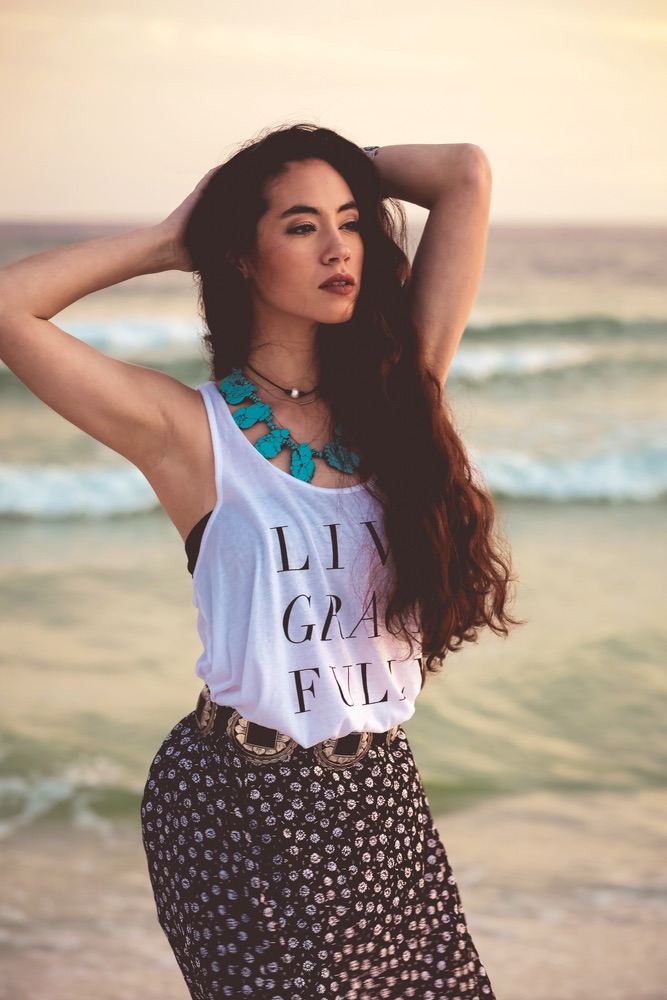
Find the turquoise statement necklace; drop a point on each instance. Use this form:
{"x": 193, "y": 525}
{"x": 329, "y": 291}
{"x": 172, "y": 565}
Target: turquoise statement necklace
{"x": 236, "y": 388}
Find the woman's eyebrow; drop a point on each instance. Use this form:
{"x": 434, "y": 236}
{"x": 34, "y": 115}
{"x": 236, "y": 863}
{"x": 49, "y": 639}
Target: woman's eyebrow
{"x": 309, "y": 210}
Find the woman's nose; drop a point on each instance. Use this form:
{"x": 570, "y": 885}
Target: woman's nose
{"x": 338, "y": 249}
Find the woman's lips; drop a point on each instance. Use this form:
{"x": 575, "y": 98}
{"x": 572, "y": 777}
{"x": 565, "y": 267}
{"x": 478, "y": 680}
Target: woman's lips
{"x": 338, "y": 289}
{"x": 341, "y": 284}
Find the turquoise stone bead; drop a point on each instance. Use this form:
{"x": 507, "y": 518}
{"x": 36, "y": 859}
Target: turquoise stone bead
{"x": 302, "y": 465}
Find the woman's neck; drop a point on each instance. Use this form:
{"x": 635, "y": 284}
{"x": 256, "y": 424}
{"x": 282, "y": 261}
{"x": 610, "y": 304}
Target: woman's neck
{"x": 289, "y": 365}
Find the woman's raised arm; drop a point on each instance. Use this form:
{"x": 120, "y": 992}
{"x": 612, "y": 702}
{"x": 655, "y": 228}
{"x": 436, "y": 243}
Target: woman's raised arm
{"x": 453, "y": 181}
{"x": 127, "y": 407}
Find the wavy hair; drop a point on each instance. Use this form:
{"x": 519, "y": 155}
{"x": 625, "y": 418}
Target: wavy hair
{"x": 452, "y": 574}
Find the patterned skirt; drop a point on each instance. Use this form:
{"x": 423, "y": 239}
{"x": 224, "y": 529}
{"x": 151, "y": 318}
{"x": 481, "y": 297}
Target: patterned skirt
{"x": 292, "y": 881}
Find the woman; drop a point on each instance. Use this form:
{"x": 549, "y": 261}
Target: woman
{"x": 290, "y": 846}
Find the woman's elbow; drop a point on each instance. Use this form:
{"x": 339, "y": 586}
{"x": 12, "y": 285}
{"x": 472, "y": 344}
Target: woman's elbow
{"x": 474, "y": 167}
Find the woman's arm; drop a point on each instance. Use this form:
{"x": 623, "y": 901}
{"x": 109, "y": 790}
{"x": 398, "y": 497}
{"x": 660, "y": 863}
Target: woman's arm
{"x": 453, "y": 181}
{"x": 153, "y": 420}
{"x": 125, "y": 406}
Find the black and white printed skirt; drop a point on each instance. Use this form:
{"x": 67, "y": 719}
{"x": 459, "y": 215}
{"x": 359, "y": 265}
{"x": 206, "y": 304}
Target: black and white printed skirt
{"x": 292, "y": 881}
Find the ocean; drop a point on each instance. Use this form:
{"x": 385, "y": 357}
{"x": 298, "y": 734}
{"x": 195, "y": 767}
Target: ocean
{"x": 559, "y": 390}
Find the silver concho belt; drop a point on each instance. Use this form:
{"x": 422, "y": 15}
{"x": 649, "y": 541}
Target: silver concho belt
{"x": 263, "y": 745}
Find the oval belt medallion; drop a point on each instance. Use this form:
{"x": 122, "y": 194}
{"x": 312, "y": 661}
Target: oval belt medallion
{"x": 257, "y": 742}
{"x": 338, "y": 753}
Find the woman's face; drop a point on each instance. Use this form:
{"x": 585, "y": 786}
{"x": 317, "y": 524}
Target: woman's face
{"x": 308, "y": 235}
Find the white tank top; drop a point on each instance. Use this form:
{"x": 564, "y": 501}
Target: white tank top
{"x": 288, "y": 587}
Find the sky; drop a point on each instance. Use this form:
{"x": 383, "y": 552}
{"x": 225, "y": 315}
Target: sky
{"x": 112, "y": 111}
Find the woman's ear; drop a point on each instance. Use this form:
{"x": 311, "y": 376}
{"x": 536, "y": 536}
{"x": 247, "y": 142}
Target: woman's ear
{"x": 237, "y": 262}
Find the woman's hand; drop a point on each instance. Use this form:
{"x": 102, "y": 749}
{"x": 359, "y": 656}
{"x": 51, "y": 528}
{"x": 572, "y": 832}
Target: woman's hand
{"x": 175, "y": 223}
{"x": 44, "y": 285}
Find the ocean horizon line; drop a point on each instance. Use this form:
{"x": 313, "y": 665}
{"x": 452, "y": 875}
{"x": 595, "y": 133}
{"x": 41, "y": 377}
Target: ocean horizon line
{"x": 121, "y": 222}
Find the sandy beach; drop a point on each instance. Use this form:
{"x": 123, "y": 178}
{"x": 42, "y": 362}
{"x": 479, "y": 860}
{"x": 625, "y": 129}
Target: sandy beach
{"x": 566, "y": 897}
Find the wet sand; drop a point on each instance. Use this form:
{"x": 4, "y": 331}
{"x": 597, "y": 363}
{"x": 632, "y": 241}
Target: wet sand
{"x": 566, "y": 897}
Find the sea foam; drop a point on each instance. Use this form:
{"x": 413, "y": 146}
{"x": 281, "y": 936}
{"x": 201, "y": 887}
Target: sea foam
{"x": 76, "y": 791}
{"x": 488, "y": 349}
{"x": 477, "y": 363}
{"x": 632, "y": 476}
{"x": 51, "y": 492}
{"x": 128, "y": 338}
{"x": 61, "y": 492}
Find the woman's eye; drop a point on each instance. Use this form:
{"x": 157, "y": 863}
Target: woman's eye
{"x": 304, "y": 227}
{"x": 307, "y": 227}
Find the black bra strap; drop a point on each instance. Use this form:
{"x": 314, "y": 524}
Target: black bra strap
{"x": 193, "y": 542}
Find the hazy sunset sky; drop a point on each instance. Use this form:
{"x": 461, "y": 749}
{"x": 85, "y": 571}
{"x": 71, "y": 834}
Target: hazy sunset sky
{"x": 113, "y": 110}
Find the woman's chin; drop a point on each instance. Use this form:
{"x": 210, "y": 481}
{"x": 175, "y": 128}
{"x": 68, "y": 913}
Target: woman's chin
{"x": 335, "y": 316}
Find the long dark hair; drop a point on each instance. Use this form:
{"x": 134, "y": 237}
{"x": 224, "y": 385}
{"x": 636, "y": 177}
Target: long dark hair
{"x": 451, "y": 573}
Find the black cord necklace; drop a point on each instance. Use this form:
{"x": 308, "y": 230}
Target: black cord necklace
{"x": 293, "y": 393}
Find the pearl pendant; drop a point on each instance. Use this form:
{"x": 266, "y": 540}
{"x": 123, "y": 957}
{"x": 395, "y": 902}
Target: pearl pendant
{"x": 295, "y": 393}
